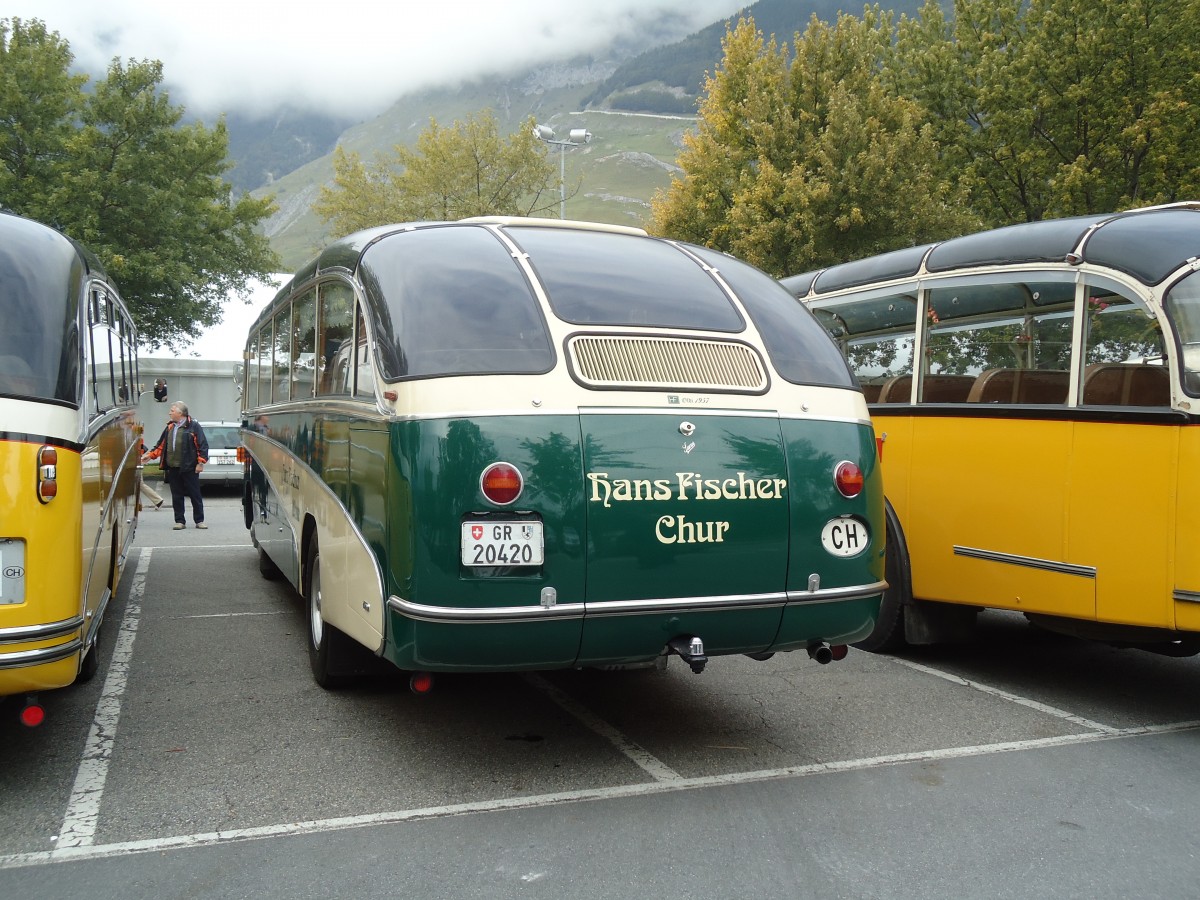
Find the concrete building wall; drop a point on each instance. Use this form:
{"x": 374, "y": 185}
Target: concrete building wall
{"x": 206, "y": 386}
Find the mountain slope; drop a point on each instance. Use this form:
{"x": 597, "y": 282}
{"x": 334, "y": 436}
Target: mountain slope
{"x": 637, "y": 110}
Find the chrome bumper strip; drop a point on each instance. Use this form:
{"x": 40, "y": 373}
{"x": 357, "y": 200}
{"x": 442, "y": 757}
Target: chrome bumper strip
{"x": 1030, "y": 562}
{"x": 24, "y": 658}
{"x": 454, "y": 614}
{"x": 41, "y": 632}
{"x": 449, "y": 614}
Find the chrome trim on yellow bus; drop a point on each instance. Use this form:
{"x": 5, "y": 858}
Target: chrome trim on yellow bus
{"x": 1187, "y": 596}
{"x": 21, "y": 659}
{"x": 42, "y": 632}
{"x": 1030, "y": 562}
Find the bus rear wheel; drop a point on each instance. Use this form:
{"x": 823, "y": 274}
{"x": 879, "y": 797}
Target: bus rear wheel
{"x": 330, "y": 653}
{"x": 888, "y": 635}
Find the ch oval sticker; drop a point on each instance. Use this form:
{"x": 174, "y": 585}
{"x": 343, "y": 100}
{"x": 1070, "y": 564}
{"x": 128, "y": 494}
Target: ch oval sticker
{"x": 845, "y": 536}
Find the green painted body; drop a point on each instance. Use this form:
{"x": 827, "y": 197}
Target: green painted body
{"x": 632, "y": 511}
{"x": 635, "y": 516}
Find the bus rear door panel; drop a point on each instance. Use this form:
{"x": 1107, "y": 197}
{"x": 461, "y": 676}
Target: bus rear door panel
{"x": 1122, "y": 515}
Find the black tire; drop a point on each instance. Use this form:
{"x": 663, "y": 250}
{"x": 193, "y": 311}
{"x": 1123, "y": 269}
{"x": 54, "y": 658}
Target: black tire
{"x": 248, "y": 503}
{"x": 332, "y": 656}
{"x": 266, "y": 566}
{"x": 888, "y": 635}
{"x": 90, "y": 664}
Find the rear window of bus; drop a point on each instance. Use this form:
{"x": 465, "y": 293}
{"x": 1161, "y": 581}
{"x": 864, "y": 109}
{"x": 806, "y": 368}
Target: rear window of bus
{"x": 798, "y": 344}
{"x": 452, "y": 301}
{"x": 596, "y": 278}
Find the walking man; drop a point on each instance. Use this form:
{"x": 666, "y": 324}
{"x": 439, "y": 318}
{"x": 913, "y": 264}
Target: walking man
{"x": 182, "y": 451}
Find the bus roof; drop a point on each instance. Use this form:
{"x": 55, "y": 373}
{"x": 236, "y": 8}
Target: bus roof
{"x": 22, "y": 235}
{"x": 345, "y": 252}
{"x": 1148, "y": 244}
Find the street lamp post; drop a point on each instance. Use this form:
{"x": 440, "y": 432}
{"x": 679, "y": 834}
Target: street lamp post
{"x": 575, "y": 137}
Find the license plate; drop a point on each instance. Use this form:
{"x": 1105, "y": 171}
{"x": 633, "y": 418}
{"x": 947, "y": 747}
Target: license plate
{"x": 497, "y": 543}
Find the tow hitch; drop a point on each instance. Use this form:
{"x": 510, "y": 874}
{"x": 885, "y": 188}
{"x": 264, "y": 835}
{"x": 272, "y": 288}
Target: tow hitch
{"x": 691, "y": 650}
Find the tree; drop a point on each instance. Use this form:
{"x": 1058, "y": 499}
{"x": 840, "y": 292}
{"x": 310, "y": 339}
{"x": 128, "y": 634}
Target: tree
{"x": 800, "y": 165}
{"x": 1054, "y": 108}
{"x": 114, "y": 169}
{"x": 466, "y": 170}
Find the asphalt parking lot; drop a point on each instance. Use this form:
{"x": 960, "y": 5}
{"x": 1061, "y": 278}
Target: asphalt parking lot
{"x": 204, "y": 762}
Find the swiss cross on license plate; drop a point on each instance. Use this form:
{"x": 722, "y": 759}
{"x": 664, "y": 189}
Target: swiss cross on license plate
{"x": 496, "y": 543}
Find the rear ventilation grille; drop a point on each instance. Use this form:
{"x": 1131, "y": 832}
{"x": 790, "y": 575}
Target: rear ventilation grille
{"x": 637, "y": 361}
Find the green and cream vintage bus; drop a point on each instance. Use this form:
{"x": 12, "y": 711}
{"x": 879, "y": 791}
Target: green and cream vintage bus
{"x": 519, "y": 444}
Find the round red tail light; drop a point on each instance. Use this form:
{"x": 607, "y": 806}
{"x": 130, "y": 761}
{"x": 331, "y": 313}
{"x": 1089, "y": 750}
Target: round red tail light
{"x": 48, "y": 456}
{"x": 32, "y": 715}
{"x": 849, "y": 479}
{"x": 501, "y": 483}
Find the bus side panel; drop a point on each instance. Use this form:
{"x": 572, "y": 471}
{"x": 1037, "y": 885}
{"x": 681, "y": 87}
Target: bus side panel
{"x": 273, "y": 527}
{"x": 1187, "y": 531}
{"x": 435, "y": 470}
{"x": 52, "y": 567}
{"x": 993, "y": 485}
{"x": 814, "y": 451}
{"x": 895, "y": 438}
{"x": 1120, "y": 473}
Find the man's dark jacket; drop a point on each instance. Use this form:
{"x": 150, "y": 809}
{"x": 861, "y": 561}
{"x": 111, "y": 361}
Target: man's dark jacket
{"x": 194, "y": 444}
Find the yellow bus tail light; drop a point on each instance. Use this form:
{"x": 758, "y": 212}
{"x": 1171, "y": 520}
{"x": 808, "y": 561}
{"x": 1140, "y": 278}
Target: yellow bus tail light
{"x": 47, "y": 474}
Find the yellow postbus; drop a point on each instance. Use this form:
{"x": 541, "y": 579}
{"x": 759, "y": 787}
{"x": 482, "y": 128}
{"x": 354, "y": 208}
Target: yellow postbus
{"x": 68, "y": 457}
{"x": 1036, "y": 393}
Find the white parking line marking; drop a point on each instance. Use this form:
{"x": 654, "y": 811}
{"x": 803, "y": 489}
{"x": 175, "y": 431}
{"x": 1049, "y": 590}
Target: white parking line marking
{"x": 1012, "y": 698}
{"x": 83, "y": 809}
{"x": 655, "y": 767}
{"x": 191, "y": 548}
{"x": 152, "y": 845}
{"x": 229, "y": 615}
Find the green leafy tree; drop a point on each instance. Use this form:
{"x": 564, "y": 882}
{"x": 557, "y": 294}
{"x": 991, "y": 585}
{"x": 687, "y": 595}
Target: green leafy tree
{"x": 468, "y": 169}
{"x": 800, "y": 165}
{"x": 116, "y": 170}
{"x": 1053, "y": 108}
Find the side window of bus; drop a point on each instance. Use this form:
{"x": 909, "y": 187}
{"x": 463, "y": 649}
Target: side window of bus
{"x": 266, "y": 368}
{"x": 876, "y": 333}
{"x": 999, "y": 342}
{"x": 1124, "y": 360}
{"x": 250, "y": 390}
{"x": 1183, "y": 305}
{"x": 103, "y": 387}
{"x": 334, "y": 343}
{"x": 281, "y": 360}
{"x": 365, "y": 383}
{"x": 125, "y": 390}
{"x": 304, "y": 345}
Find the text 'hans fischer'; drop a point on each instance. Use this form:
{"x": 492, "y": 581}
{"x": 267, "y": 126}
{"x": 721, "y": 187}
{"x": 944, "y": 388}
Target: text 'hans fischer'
{"x": 685, "y": 486}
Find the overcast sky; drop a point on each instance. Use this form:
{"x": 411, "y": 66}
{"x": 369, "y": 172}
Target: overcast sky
{"x": 352, "y": 57}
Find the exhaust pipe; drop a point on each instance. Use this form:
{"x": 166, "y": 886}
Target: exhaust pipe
{"x": 821, "y": 653}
